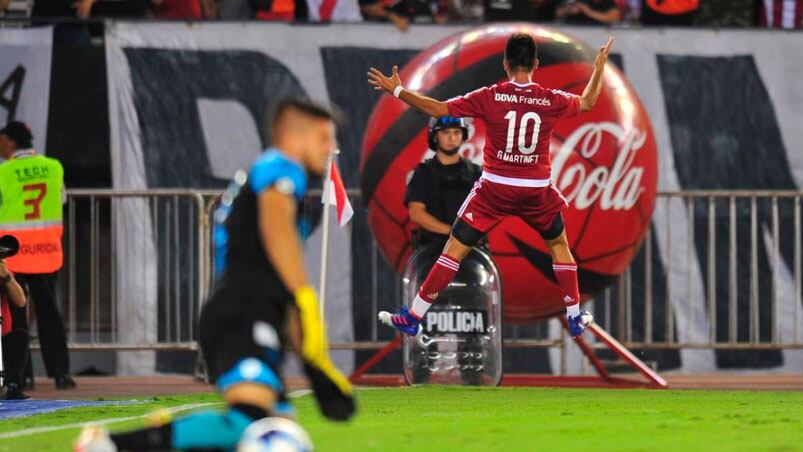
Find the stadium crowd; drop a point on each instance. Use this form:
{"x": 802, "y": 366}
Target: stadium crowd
{"x": 401, "y": 13}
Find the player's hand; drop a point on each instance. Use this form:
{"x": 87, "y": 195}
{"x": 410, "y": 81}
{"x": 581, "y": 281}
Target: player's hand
{"x": 602, "y": 57}
{"x": 582, "y": 8}
{"x": 401, "y": 22}
{"x": 332, "y": 390}
{"x": 379, "y": 81}
{"x": 83, "y": 8}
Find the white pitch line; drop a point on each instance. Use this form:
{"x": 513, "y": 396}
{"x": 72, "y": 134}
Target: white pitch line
{"x": 53, "y": 428}
{"x": 299, "y": 393}
{"x": 32, "y": 431}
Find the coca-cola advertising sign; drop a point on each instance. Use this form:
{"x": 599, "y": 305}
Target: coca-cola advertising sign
{"x": 604, "y": 162}
{"x": 617, "y": 187}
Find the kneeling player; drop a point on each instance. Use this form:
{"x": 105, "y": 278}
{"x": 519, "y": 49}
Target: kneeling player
{"x": 261, "y": 300}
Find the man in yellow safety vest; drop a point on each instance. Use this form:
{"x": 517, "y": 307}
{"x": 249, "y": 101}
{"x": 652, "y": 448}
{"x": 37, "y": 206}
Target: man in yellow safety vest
{"x": 31, "y": 198}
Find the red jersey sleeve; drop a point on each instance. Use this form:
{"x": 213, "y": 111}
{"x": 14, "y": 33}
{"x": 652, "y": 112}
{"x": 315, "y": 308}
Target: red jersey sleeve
{"x": 471, "y": 105}
{"x": 566, "y": 104}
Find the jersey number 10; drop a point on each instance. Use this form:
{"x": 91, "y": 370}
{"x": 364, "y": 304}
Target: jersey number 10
{"x": 522, "y": 142}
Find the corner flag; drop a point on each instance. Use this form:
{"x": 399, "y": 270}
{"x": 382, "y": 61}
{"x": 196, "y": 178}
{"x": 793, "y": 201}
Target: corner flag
{"x": 338, "y": 197}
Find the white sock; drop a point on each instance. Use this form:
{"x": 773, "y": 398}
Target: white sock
{"x": 573, "y": 310}
{"x": 420, "y": 307}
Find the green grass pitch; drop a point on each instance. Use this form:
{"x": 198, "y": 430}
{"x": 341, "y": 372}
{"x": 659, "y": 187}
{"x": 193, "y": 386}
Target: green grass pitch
{"x": 505, "y": 419}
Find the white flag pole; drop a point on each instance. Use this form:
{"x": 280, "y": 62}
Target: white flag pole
{"x": 325, "y": 241}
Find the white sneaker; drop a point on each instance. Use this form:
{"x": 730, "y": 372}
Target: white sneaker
{"x": 403, "y": 321}
{"x": 94, "y": 438}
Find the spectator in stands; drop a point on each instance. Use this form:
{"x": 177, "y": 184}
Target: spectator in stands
{"x": 669, "y": 12}
{"x": 31, "y": 197}
{"x": 466, "y": 11}
{"x": 726, "y": 13}
{"x": 509, "y": 10}
{"x": 589, "y": 12}
{"x": 402, "y": 12}
{"x": 275, "y": 10}
{"x": 183, "y": 9}
{"x": 15, "y": 338}
{"x": 631, "y": 10}
{"x": 235, "y": 10}
{"x": 545, "y": 10}
{"x": 53, "y": 8}
{"x": 83, "y": 9}
{"x": 280, "y": 10}
{"x": 4, "y": 5}
{"x": 786, "y": 14}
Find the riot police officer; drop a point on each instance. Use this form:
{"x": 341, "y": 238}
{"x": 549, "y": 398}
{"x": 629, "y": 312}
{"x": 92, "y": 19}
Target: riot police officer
{"x": 440, "y": 185}
{"x": 434, "y": 195}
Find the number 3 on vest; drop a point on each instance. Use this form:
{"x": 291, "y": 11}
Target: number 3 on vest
{"x": 35, "y": 203}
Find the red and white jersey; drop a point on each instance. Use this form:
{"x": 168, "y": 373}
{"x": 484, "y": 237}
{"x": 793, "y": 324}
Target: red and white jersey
{"x": 519, "y": 119}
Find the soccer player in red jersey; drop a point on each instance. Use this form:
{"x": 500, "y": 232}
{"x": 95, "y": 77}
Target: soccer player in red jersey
{"x": 519, "y": 116}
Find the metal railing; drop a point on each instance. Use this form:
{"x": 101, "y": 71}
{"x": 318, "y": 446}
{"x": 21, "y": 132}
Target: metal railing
{"x": 132, "y": 276}
{"x": 717, "y": 270}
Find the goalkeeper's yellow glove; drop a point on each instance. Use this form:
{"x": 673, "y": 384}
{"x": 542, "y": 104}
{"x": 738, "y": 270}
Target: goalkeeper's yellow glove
{"x": 332, "y": 390}
{"x": 313, "y": 330}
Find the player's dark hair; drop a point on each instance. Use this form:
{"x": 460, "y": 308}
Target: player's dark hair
{"x": 298, "y": 104}
{"x": 521, "y": 52}
{"x": 301, "y": 105}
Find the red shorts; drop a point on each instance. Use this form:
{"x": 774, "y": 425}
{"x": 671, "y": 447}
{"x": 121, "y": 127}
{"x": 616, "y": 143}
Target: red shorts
{"x": 488, "y": 203}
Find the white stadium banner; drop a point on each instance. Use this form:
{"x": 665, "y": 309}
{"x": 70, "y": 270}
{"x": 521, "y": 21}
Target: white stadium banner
{"x": 25, "y": 56}
{"x": 195, "y": 96}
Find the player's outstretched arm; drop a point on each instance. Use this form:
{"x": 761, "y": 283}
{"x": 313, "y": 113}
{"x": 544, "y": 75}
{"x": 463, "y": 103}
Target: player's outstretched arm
{"x": 594, "y": 87}
{"x": 392, "y": 85}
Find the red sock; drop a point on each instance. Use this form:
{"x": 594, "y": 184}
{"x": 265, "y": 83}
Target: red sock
{"x": 439, "y": 277}
{"x": 566, "y": 275}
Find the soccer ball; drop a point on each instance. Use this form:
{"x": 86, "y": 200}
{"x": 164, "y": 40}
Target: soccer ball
{"x": 274, "y": 434}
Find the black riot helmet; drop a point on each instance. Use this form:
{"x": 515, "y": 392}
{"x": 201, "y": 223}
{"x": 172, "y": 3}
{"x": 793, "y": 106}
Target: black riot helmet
{"x": 445, "y": 122}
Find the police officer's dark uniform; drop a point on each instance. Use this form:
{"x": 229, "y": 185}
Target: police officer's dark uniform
{"x": 441, "y": 188}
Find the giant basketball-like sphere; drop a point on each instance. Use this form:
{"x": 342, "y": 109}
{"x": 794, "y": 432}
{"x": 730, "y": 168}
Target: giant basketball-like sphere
{"x": 604, "y": 161}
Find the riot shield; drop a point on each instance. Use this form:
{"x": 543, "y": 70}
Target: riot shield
{"x": 461, "y": 339}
